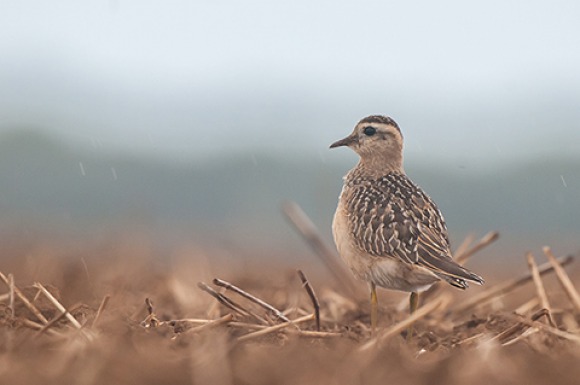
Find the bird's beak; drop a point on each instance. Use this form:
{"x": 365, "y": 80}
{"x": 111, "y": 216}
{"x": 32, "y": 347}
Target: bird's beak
{"x": 348, "y": 141}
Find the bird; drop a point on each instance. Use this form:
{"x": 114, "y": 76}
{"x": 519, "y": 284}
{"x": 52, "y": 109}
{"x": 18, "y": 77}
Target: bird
{"x": 387, "y": 230}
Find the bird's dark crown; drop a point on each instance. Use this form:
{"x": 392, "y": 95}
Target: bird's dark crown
{"x": 380, "y": 119}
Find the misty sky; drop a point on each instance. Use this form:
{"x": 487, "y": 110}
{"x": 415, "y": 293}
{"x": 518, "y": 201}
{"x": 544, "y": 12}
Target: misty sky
{"x": 467, "y": 81}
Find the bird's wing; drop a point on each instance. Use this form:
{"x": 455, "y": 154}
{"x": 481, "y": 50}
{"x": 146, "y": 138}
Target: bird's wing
{"x": 392, "y": 217}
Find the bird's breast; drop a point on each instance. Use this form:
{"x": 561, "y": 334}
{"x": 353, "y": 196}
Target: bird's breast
{"x": 357, "y": 260}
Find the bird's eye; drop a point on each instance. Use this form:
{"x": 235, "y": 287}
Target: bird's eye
{"x": 370, "y": 131}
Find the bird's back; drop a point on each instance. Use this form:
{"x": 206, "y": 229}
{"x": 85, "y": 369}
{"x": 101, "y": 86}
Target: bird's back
{"x": 389, "y": 217}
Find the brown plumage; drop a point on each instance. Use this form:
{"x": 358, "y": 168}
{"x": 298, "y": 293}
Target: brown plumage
{"x": 388, "y": 231}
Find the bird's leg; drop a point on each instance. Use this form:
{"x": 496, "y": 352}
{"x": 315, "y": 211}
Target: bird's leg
{"x": 413, "y": 302}
{"x": 413, "y": 305}
{"x": 374, "y": 308}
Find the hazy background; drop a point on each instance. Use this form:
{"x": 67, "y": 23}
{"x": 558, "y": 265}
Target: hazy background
{"x": 193, "y": 120}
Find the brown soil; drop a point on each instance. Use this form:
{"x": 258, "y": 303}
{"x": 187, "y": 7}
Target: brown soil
{"x": 185, "y": 336}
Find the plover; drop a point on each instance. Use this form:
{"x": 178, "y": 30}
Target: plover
{"x": 386, "y": 229}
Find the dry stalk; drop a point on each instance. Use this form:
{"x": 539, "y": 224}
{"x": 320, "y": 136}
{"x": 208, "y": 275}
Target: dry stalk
{"x": 31, "y": 324}
{"x": 505, "y": 287}
{"x": 102, "y": 307}
{"x": 11, "y": 293}
{"x": 24, "y": 300}
{"x": 230, "y": 304}
{"x": 564, "y": 279}
{"x": 540, "y": 290}
{"x": 526, "y": 307}
{"x": 52, "y": 322}
{"x": 195, "y": 321}
{"x": 312, "y": 296}
{"x": 462, "y": 248}
{"x": 213, "y": 310}
{"x": 58, "y": 305}
{"x": 256, "y": 300}
{"x": 149, "y": 306}
{"x": 528, "y": 332}
{"x": 422, "y": 312}
{"x": 508, "y": 334}
{"x": 275, "y": 328}
{"x": 180, "y": 325}
{"x": 471, "y": 339}
{"x": 211, "y": 324}
{"x": 151, "y": 320}
{"x": 328, "y": 256}
{"x": 38, "y": 326}
{"x": 245, "y": 325}
{"x": 519, "y": 327}
{"x": 549, "y": 329}
{"x": 485, "y": 241}
{"x": 314, "y": 334}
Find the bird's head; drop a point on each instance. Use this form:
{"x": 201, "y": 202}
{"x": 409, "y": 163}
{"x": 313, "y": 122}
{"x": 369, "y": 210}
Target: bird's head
{"x": 377, "y": 140}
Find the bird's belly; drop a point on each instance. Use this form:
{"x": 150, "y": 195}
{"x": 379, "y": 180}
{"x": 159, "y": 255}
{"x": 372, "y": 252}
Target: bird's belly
{"x": 391, "y": 274}
{"x": 383, "y": 271}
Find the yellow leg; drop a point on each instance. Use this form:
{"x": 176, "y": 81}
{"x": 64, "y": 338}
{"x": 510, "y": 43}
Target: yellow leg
{"x": 413, "y": 305}
{"x": 413, "y": 302}
{"x": 374, "y": 308}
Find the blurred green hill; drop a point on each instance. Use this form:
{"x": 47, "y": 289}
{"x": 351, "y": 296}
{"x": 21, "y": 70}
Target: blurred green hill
{"x": 235, "y": 200}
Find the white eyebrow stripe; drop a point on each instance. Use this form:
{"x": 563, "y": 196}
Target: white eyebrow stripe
{"x": 375, "y": 125}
